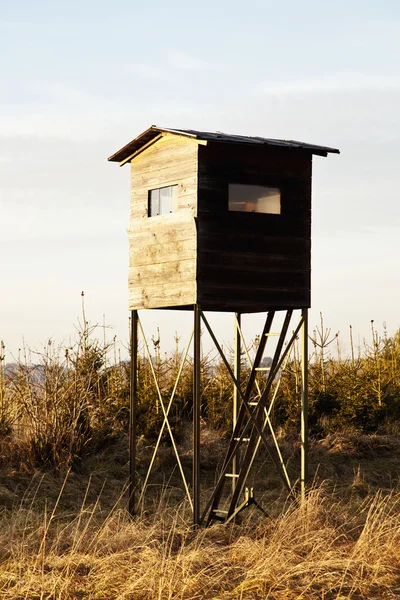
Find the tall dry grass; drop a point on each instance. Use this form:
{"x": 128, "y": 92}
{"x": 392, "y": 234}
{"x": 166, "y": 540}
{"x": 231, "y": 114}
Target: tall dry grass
{"x": 329, "y": 547}
{"x": 65, "y": 411}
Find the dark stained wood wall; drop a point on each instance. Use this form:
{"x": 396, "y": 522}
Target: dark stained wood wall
{"x": 251, "y": 262}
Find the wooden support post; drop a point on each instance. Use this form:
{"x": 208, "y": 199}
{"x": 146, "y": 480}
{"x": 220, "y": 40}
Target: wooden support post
{"x": 304, "y": 404}
{"x": 132, "y": 414}
{"x": 196, "y": 414}
{"x": 236, "y": 372}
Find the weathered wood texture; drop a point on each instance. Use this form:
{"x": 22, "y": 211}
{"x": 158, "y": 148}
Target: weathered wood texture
{"x": 162, "y": 249}
{"x": 162, "y": 262}
{"x": 251, "y": 262}
{"x": 224, "y": 260}
{"x": 172, "y": 160}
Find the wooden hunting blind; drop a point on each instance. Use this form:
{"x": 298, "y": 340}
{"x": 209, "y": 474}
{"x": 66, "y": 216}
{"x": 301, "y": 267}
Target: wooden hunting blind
{"x": 222, "y": 222}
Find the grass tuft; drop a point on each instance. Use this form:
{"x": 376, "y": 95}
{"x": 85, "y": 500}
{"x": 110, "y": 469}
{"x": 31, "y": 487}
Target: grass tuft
{"x": 329, "y": 547}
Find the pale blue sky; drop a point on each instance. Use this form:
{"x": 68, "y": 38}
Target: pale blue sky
{"x": 80, "y": 79}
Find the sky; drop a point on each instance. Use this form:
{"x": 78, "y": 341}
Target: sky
{"x": 81, "y": 79}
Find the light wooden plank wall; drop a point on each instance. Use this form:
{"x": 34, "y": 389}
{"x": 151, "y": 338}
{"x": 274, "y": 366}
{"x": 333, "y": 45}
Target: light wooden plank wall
{"x": 162, "y": 250}
{"x": 172, "y": 160}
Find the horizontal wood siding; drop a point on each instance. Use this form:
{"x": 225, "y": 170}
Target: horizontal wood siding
{"x": 250, "y": 261}
{"x": 162, "y": 250}
{"x": 162, "y": 262}
{"x": 172, "y": 160}
{"x": 165, "y": 295}
{"x": 204, "y": 253}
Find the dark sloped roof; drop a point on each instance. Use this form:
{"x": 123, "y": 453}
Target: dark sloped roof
{"x": 147, "y": 136}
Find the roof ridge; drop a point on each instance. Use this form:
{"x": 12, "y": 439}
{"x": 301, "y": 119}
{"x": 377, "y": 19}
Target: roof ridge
{"x": 148, "y": 136}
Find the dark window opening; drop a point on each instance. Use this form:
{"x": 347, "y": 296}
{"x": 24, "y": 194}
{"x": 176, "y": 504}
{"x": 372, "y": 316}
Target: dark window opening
{"x": 254, "y": 198}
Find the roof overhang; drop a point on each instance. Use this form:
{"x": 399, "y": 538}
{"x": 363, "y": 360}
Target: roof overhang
{"x": 154, "y": 133}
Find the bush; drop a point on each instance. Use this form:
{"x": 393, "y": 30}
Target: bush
{"x": 71, "y": 401}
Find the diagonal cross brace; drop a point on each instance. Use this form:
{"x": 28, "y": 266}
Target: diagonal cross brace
{"x": 215, "y": 497}
{"x": 235, "y": 444}
{"x": 245, "y": 407}
{"x": 262, "y": 402}
{"x": 257, "y": 426}
{"x": 267, "y": 421}
{"x": 165, "y": 413}
{"x": 267, "y": 412}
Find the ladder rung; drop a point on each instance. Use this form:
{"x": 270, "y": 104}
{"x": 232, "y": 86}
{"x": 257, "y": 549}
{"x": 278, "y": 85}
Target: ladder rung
{"x": 218, "y": 510}
{"x": 231, "y": 475}
{"x": 253, "y": 403}
{"x": 241, "y": 439}
{"x": 267, "y": 334}
{"x": 262, "y": 369}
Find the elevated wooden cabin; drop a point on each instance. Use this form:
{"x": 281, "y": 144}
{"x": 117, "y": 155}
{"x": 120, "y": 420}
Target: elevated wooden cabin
{"x": 220, "y": 220}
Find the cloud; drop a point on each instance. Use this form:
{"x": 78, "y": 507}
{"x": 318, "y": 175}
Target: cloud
{"x": 176, "y": 60}
{"x": 63, "y": 111}
{"x": 67, "y": 113}
{"x": 182, "y": 60}
{"x": 48, "y": 121}
{"x": 336, "y": 82}
{"x": 148, "y": 72}
{"x": 51, "y": 216}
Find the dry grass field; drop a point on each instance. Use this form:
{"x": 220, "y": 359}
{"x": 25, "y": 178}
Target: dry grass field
{"x": 65, "y": 533}
{"x": 68, "y": 535}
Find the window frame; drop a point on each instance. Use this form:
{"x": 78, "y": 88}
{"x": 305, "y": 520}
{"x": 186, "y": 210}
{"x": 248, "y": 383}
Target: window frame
{"x": 173, "y": 200}
{"x": 270, "y": 186}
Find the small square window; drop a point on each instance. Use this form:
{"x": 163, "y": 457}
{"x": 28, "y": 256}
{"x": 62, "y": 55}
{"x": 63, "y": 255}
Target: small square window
{"x": 254, "y": 198}
{"x": 163, "y": 201}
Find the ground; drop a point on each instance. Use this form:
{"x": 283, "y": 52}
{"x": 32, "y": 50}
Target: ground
{"x": 67, "y": 535}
